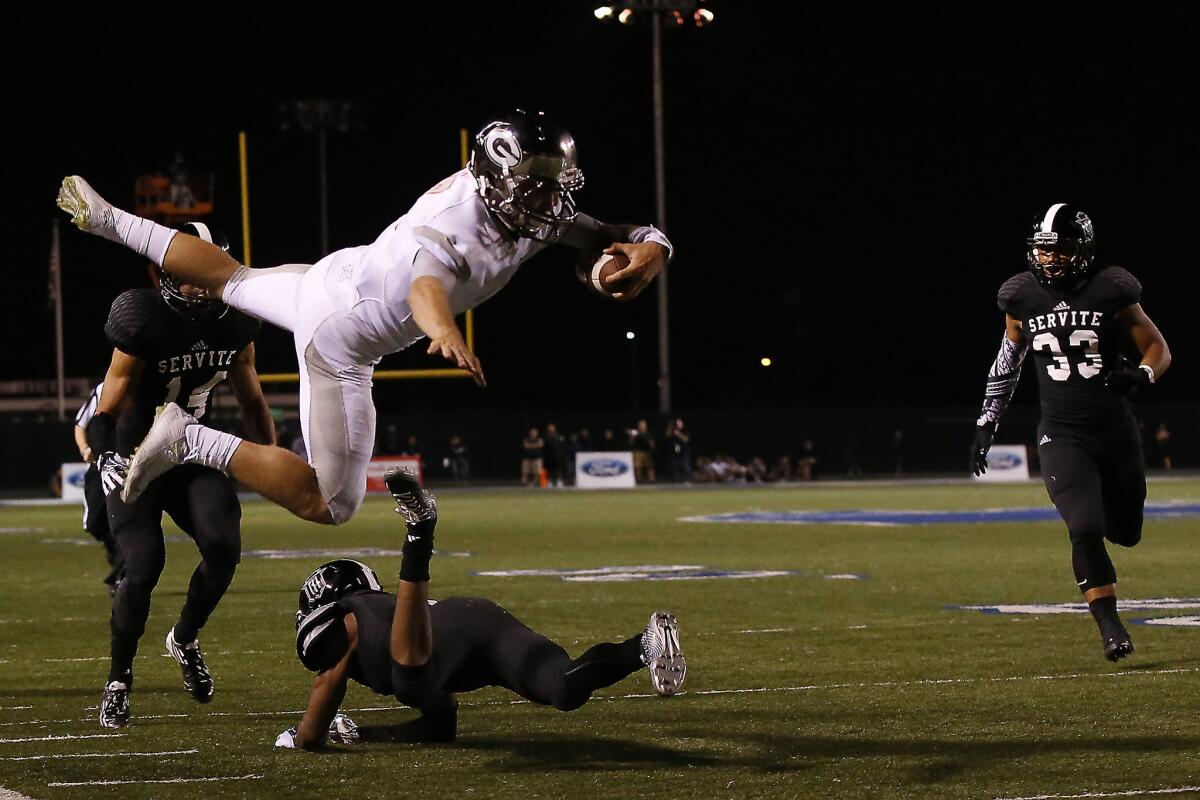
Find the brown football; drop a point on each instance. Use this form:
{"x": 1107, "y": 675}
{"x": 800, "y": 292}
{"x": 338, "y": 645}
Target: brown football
{"x": 597, "y": 277}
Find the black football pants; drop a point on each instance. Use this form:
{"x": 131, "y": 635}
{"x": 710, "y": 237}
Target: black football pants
{"x": 1096, "y": 478}
{"x": 204, "y": 504}
{"x": 477, "y": 643}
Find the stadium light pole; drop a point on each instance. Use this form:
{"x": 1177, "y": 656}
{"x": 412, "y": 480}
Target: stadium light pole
{"x": 319, "y": 116}
{"x": 674, "y": 13}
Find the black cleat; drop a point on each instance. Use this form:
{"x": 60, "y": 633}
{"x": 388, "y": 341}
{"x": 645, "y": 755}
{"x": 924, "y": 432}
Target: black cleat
{"x": 114, "y": 705}
{"x": 418, "y": 506}
{"x": 196, "y": 678}
{"x": 1117, "y": 647}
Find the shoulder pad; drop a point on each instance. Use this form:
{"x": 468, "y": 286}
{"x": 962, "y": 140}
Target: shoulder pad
{"x": 317, "y": 633}
{"x": 1121, "y": 285}
{"x": 1011, "y": 290}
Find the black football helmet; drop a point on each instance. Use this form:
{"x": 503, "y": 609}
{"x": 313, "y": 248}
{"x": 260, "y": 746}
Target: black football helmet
{"x": 526, "y": 168}
{"x": 202, "y": 307}
{"x": 317, "y": 607}
{"x": 1062, "y": 246}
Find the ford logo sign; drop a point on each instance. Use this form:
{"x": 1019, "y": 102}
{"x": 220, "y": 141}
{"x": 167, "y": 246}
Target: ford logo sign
{"x": 1004, "y": 460}
{"x": 604, "y": 467}
{"x": 76, "y": 478}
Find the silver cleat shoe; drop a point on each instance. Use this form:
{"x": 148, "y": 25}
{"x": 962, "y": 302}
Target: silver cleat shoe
{"x": 163, "y": 448}
{"x": 114, "y": 705}
{"x": 415, "y": 504}
{"x": 89, "y": 211}
{"x": 662, "y": 655}
{"x": 197, "y": 681}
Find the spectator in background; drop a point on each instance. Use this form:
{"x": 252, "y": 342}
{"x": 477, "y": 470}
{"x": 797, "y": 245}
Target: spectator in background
{"x": 573, "y": 450}
{"x": 806, "y": 463}
{"x": 458, "y": 460}
{"x": 389, "y": 439}
{"x": 412, "y": 448}
{"x": 531, "y": 458}
{"x": 679, "y": 445}
{"x": 756, "y": 472}
{"x": 642, "y": 445}
{"x": 853, "y": 466}
{"x": 585, "y": 441}
{"x": 898, "y": 452}
{"x": 781, "y": 470}
{"x": 553, "y": 456}
{"x": 1162, "y": 443}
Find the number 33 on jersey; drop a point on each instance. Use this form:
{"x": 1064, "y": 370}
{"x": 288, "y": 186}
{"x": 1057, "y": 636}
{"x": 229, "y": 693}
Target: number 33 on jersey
{"x": 1075, "y": 338}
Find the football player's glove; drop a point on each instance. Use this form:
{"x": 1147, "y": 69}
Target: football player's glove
{"x": 984, "y": 435}
{"x": 1127, "y": 380}
{"x": 287, "y": 739}
{"x": 112, "y": 467}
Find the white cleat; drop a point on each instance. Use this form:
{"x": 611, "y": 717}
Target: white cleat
{"x": 163, "y": 448}
{"x": 89, "y": 211}
{"x": 662, "y": 655}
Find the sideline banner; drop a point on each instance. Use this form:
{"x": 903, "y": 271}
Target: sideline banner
{"x": 381, "y": 464}
{"x": 72, "y": 481}
{"x": 1007, "y": 463}
{"x": 608, "y": 470}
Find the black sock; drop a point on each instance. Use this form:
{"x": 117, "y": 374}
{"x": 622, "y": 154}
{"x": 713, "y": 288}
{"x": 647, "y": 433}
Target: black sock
{"x": 124, "y": 675}
{"x": 1104, "y": 611}
{"x": 417, "y": 550}
{"x": 603, "y": 665}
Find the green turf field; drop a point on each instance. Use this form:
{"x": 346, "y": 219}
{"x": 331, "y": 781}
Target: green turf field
{"x": 798, "y": 685}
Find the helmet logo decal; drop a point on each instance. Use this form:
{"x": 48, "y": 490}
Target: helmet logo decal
{"x": 502, "y": 148}
{"x": 1082, "y": 220}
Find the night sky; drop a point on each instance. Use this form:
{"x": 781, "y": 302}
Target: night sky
{"x": 845, "y": 193}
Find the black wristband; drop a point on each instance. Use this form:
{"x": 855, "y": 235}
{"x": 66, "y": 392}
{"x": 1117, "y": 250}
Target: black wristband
{"x": 102, "y": 433}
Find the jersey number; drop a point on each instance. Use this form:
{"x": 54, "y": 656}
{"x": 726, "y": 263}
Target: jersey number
{"x": 1060, "y": 370}
{"x": 197, "y": 401}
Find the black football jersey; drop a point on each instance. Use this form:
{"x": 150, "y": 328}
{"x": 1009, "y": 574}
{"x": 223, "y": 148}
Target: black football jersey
{"x": 183, "y": 358}
{"x": 1075, "y": 340}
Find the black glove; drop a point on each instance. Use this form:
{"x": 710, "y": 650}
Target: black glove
{"x": 984, "y": 434}
{"x": 1126, "y": 380}
{"x": 112, "y": 467}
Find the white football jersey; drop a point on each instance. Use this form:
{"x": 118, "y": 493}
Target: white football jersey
{"x": 451, "y": 223}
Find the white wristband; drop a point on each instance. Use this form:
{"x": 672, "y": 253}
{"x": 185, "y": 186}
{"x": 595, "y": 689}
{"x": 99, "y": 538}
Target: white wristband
{"x": 1149, "y": 370}
{"x": 649, "y": 233}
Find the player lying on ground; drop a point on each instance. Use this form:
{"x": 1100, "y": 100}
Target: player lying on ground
{"x": 424, "y": 652}
{"x": 1075, "y": 318}
{"x": 459, "y": 244}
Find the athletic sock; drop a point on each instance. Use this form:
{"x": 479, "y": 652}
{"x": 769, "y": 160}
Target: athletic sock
{"x": 210, "y": 448}
{"x": 1104, "y": 611}
{"x": 416, "y": 553}
{"x": 143, "y": 236}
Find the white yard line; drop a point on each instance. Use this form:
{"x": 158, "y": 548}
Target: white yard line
{"x": 1126, "y": 793}
{"x": 166, "y": 780}
{"x": 60, "y": 737}
{"x": 100, "y": 755}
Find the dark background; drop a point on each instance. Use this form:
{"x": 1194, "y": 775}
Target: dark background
{"x": 846, "y": 192}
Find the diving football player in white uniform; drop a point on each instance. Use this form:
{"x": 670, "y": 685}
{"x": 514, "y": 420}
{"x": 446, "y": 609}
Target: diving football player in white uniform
{"x": 458, "y": 245}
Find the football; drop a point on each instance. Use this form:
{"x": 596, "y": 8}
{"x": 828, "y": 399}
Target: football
{"x": 597, "y": 277}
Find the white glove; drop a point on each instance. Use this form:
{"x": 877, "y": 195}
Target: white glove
{"x": 342, "y": 730}
{"x": 287, "y": 739}
{"x": 112, "y": 469}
